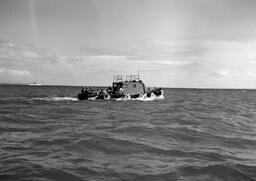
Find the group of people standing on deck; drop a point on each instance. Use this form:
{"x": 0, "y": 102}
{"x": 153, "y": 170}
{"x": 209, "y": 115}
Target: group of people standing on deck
{"x": 101, "y": 93}
{"x": 89, "y": 90}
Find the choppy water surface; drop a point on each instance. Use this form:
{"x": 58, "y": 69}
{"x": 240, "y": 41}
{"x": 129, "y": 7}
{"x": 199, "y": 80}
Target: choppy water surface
{"x": 46, "y": 134}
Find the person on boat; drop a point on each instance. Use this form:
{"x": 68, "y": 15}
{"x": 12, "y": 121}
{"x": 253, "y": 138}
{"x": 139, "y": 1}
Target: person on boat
{"x": 90, "y": 90}
{"x": 100, "y": 94}
{"x": 83, "y": 90}
{"x": 121, "y": 90}
{"x": 105, "y": 93}
{"x": 110, "y": 90}
{"x": 86, "y": 91}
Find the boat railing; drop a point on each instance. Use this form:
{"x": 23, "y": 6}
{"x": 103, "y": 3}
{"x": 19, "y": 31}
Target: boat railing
{"x": 128, "y": 78}
{"x": 132, "y": 78}
{"x": 117, "y": 78}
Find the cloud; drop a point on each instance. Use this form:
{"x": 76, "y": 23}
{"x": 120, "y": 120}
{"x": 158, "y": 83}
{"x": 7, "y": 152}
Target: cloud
{"x": 31, "y": 54}
{"x": 222, "y": 73}
{"x": 20, "y": 72}
{"x": 25, "y": 55}
{"x": 166, "y": 62}
{"x": 148, "y": 52}
{"x": 142, "y": 51}
{"x": 117, "y": 59}
{"x": 15, "y": 72}
{"x": 110, "y": 57}
{"x": 10, "y": 45}
{"x": 250, "y": 74}
{"x": 72, "y": 60}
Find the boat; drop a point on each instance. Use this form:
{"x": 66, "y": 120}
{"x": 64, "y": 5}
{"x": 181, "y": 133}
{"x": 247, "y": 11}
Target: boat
{"x": 34, "y": 84}
{"x": 130, "y": 87}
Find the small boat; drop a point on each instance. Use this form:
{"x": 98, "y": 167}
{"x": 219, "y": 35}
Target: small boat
{"x": 34, "y": 84}
{"x": 130, "y": 87}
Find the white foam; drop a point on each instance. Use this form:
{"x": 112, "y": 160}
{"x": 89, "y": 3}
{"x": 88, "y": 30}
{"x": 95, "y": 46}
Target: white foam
{"x": 143, "y": 97}
{"x": 57, "y": 99}
{"x": 92, "y": 98}
{"x": 65, "y": 99}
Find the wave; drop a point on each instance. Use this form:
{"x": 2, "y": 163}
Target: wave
{"x": 152, "y": 97}
{"x": 56, "y": 98}
{"x": 220, "y": 172}
{"x": 144, "y": 97}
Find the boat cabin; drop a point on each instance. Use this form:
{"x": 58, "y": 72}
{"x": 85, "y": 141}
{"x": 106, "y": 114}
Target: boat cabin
{"x": 131, "y": 85}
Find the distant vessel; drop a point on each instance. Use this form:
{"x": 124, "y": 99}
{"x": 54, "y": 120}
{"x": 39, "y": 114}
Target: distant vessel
{"x": 131, "y": 87}
{"x": 34, "y": 84}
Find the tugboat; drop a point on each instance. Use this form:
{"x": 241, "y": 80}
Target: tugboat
{"x": 130, "y": 87}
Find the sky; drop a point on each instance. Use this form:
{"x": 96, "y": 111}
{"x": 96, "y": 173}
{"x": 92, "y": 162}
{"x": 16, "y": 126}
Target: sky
{"x": 173, "y": 43}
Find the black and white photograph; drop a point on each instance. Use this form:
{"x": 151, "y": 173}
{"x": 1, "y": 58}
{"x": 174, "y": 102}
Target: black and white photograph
{"x": 127, "y": 90}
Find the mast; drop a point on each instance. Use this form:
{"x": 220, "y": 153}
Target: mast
{"x": 138, "y": 73}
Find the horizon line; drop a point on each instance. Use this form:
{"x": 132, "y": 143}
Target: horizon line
{"x": 199, "y": 88}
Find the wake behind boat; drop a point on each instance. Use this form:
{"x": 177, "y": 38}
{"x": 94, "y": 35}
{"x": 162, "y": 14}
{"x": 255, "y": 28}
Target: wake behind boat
{"x": 130, "y": 87}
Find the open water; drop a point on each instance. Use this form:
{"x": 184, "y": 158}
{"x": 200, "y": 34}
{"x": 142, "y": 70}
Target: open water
{"x": 47, "y": 134}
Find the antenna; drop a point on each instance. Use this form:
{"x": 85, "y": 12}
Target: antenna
{"x": 138, "y": 73}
